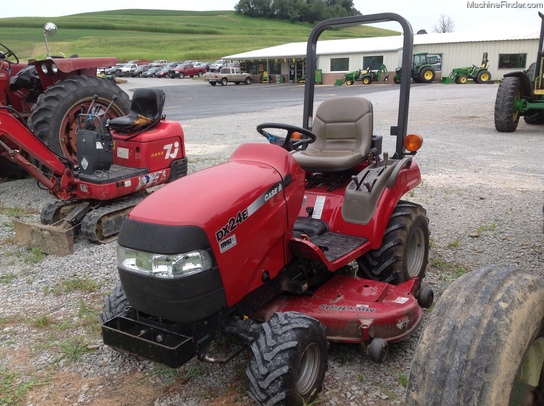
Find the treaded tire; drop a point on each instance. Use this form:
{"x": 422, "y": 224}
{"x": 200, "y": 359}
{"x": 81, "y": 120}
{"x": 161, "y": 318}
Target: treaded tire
{"x": 115, "y": 304}
{"x": 288, "y": 360}
{"x": 405, "y": 247}
{"x": 54, "y": 116}
{"x": 483, "y": 76}
{"x": 426, "y": 75}
{"x": 477, "y": 339}
{"x": 506, "y": 118}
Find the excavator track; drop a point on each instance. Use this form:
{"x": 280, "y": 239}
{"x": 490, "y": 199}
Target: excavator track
{"x": 102, "y": 224}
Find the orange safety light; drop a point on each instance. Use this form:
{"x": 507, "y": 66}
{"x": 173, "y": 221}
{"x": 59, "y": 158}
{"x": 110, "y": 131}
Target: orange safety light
{"x": 296, "y": 136}
{"x": 413, "y": 142}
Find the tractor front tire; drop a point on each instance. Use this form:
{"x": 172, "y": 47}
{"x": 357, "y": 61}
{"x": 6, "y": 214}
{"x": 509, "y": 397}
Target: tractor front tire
{"x": 349, "y": 82}
{"x": 54, "y": 117}
{"x": 288, "y": 360}
{"x": 484, "y": 343}
{"x": 483, "y": 76}
{"x": 508, "y": 95}
{"x": 426, "y": 75}
{"x": 405, "y": 247}
{"x": 461, "y": 80}
{"x": 115, "y": 304}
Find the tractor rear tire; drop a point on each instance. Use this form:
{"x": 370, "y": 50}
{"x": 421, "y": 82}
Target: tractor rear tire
{"x": 396, "y": 79}
{"x": 405, "y": 247}
{"x": 426, "y": 75}
{"x": 483, "y": 76}
{"x": 367, "y": 81}
{"x": 484, "y": 343}
{"x": 288, "y": 360}
{"x": 115, "y": 304}
{"x": 508, "y": 94}
{"x": 54, "y": 117}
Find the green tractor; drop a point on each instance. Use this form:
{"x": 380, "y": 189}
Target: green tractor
{"x": 366, "y": 76}
{"x": 422, "y": 68}
{"x": 521, "y": 94}
{"x": 478, "y": 74}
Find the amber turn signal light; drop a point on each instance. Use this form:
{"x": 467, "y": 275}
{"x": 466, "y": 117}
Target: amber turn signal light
{"x": 296, "y": 136}
{"x": 413, "y": 142}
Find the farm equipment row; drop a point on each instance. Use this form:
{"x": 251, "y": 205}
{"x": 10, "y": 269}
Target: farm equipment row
{"x": 367, "y": 76}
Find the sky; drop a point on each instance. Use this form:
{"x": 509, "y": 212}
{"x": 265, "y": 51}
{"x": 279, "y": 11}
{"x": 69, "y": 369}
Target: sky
{"x": 516, "y": 16}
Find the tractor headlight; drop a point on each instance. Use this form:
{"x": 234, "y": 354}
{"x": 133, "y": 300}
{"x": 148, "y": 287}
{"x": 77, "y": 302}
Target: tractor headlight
{"x": 161, "y": 265}
{"x": 44, "y": 68}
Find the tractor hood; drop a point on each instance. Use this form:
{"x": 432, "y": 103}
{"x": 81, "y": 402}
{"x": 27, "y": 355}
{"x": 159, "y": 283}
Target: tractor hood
{"x": 243, "y": 210}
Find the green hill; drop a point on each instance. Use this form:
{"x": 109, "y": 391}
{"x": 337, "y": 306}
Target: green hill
{"x": 160, "y": 34}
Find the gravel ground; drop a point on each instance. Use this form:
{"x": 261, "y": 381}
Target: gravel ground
{"x": 483, "y": 192}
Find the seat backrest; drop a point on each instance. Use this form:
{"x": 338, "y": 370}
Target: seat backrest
{"x": 145, "y": 110}
{"x": 148, "y": 102}
{"x": 343, "y": 127}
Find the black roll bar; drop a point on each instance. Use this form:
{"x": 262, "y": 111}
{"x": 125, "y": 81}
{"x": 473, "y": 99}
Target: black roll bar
{"x": 407, "y": 50}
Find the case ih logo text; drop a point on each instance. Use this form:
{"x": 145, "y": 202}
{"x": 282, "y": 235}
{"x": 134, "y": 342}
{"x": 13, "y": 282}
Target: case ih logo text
{"x": 231, "y": 225}
{"x": 273, "y": 192}
{"x": 171, "y": 150}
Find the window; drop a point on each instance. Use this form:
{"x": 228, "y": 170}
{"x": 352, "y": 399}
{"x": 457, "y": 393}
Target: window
{"x": 512, "y": 61}
{"x": 275, "y": 68}
{"x": 339, "y": 64}
{"x": 378, "y": 61}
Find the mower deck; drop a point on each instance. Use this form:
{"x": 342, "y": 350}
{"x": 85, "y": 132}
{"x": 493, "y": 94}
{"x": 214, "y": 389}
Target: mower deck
{"x": 357, "y": 310}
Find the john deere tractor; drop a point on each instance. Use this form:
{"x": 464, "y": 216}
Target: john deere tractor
{"x": 478, "y": 74}
{"x": 521, "y": 94}
{"x": 422, "y": 68}
{"x": 366, "y": 76}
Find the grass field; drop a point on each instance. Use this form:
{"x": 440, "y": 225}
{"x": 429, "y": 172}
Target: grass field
{"x": 159, "y": 34}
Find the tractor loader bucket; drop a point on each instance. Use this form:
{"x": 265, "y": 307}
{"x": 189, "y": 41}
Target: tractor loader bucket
{"x": 339, "y": 82}
{"x": 447, "y": 80}
{"x": 49, "y": 239}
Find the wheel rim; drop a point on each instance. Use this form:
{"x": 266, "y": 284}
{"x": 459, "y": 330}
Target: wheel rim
{"x": 308, "y": 368}
{"x": 366, "y": 81}
{"x": 428, "y": 75}
{"x": 484, "y": 77}
{"x": 67, "y": 135}
{"x": 463, "y": 79}
{"x": 415, "y": 252}
{"x": 529, "y": 375}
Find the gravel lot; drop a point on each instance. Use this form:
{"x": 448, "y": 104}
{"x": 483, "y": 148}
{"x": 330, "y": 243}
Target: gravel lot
{"x": 483, "y": 192}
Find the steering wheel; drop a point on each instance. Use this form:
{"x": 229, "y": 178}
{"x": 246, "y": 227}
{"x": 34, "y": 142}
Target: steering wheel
{"x": 5, "y": 53}
{"x": 287, "y": 142}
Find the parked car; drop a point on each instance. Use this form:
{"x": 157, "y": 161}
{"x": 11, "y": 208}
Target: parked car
{"x": 159, "y": 62}
{"x": 139, "y": 61}
{"x": 128, "y": 69}
{"x": 186, "y": 69}
{"x": 140, "y": 70}
{"x": 217, "y": 65}
{"x": 112, "y": 70}
{"x": 205, "y": 65}
{"x": 152, "y": 72}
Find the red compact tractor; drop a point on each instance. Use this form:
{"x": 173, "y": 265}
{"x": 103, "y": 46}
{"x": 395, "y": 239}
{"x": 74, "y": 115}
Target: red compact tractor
{"x": 288, "y": 245}
{"x": 116, "y": 162}
{"x": 49, "y": 94}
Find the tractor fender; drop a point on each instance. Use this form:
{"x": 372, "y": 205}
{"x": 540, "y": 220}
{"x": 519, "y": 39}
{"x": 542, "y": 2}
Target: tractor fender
{"x": 526, "y": 87}
{"x": 68, "y": 65}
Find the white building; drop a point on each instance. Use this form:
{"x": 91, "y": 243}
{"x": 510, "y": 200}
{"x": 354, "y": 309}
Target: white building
{"x": 506, "y": 53}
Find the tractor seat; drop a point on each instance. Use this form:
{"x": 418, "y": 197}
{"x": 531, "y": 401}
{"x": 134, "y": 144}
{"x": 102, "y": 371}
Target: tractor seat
{"x": 145, "y": 111}
{"x": 343, "y": 127}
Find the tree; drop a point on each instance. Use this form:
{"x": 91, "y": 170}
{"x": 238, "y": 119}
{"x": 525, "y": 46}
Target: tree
{"x": 445, "y": 24}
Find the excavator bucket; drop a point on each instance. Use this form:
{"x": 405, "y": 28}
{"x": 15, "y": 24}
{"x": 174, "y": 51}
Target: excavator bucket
{"x": 49, "y": 239}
